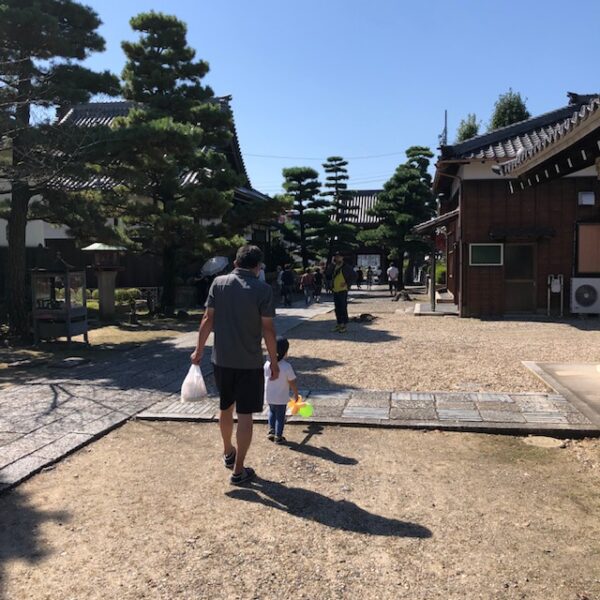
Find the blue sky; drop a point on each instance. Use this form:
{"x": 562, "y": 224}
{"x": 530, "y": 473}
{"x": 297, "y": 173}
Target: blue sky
{"x": 313, "y": 78}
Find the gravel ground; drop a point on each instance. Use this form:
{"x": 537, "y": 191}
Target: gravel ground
{"x": 399, "y": 351}
{"x": 147, "y": 512}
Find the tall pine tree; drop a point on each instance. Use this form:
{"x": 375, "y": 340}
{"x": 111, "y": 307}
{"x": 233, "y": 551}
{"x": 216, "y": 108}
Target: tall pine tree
{"x": 41, "y": 42}
{"x": 340, "y": 230}
{"x": 176, "y": 183}
{"x": 406, "y": 200}
{"x": 307, "y": 230}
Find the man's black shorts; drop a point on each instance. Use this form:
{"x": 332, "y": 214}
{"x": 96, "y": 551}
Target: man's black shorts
{"x": 245, "y": 387}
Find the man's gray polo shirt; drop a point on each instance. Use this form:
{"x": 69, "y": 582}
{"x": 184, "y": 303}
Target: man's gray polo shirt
{"x": 240, "y": 300}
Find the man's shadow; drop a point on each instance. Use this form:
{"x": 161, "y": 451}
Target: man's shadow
{"x": 323, "y": 452}
{"x": 338, "y": 514}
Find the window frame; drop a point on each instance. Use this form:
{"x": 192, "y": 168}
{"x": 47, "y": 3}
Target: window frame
{"x": 478, "y": 264}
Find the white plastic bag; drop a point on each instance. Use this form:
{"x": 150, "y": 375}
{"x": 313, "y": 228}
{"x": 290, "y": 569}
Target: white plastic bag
{"x": 193, "y": 387}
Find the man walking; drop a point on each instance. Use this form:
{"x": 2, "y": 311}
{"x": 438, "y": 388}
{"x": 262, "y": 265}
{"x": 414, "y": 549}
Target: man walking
{"x": 393, "y": 273}
{"x": 342, "y": 277}
{"x": 287, "y": 283}
{"x": 240, "y": 311}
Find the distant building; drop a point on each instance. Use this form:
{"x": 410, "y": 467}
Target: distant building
{"x": 366, "y": 256}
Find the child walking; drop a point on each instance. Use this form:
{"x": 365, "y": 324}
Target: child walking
{"x": 277, "y": 391}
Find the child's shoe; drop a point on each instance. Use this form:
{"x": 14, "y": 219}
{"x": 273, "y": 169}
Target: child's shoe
{"x": 342, "y": 329}
{"x": 271, "y": 435}
{"x": 336, "y": 329}
{"x": 279, "y": 439}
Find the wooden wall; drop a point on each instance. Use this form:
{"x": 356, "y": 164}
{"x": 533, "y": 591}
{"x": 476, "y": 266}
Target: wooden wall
{"x": 488, "y": 205}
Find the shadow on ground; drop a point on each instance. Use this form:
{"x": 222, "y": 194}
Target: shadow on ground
{"x": 323, "y": 452}
{"x": 337, "y": 514}
{"x": 20, "y": 530}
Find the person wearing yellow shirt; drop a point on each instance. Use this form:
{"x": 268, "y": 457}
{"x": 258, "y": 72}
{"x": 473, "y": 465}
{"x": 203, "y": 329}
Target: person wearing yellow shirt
{"x": 342, "y": 277}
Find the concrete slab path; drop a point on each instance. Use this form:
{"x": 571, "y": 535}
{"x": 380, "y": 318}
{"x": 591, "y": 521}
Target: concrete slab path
{"x": 546, "y": 414}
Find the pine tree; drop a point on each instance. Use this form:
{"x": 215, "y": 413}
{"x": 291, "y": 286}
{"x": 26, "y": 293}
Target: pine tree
{"x": 41, "y": 42}
{"x": 405, "y": 201}
{"x": 468, "y": 128}
{"x": 343, "y": 211}
{"x": 509, "y": 108}
{"x": 168, "y": 152}
{"x": 307, "y": 230}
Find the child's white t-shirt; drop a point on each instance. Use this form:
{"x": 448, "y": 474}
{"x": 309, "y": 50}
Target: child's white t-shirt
{"x": 278, "y": 390}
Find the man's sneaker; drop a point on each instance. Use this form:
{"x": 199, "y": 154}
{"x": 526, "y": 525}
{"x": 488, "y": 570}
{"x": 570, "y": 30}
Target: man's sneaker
{"x": 246, "y": 476}
{"x": 343, "y": 329}
{"x": 336, "y": 329}
{"x": 279, "y": 439}
{"x": 271, "y": 435}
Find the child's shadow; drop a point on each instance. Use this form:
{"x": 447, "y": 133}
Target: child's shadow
{"x": 324, "y": 453}
{"x": 338, "y": 514}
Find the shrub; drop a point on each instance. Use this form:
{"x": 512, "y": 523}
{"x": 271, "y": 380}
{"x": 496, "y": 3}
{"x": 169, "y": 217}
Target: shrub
{"x": 125, "y": 295}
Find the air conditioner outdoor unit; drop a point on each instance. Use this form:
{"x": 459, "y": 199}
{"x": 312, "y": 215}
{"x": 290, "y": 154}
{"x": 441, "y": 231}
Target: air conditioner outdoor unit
{"x": 585, "y": 295}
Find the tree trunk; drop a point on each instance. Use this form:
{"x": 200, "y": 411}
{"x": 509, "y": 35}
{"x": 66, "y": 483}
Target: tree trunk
{"x": 17, "y": 262}
{"x": 169, "y": 281}
{"x": 303, "y": 249}
{"x": 408, "y": 275}
{"x": 401, "y": 275}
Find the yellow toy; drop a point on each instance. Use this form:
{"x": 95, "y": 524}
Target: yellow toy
{"x": 299, "y": 407}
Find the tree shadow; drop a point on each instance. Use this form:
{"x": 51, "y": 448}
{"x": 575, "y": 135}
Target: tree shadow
{"x": 323, "y": 452}
{"x": 20, "y": 530}
{"x": 337, "y": 514}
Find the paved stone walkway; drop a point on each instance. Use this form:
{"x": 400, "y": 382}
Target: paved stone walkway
{"x": 508, "y": 413}
{"x": 49, "y": 417}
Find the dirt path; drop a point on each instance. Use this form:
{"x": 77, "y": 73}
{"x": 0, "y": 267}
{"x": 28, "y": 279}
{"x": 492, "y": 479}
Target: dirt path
{"x": 399, "y": 351}
{"x": 147, "y": 512}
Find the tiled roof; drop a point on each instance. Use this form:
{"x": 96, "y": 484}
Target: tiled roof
{"x": 518, "y": 138}
{"x": 557, "y": 133}
{"x": 365, "y": 200}
{"x": 96, "y": 114}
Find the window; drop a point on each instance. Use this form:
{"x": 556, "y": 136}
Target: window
{"x": 587, "y": 198}
{"x": 588, "y": 248}
{"x": 486, "y": 255}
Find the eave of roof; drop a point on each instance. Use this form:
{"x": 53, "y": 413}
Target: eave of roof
{"x": 433, "y": 224}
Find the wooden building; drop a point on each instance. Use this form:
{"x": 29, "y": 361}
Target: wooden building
{"x": 518, "y": 205}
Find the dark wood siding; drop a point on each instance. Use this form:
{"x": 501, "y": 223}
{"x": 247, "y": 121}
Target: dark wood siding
{"x": 488, "y": 205}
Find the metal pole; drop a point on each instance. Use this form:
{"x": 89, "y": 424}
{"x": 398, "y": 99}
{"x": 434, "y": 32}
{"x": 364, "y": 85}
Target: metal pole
{"x": 432, "y": 278}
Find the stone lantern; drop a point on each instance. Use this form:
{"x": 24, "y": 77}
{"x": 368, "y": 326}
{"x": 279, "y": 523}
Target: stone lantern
{"x": 106, "y": 267}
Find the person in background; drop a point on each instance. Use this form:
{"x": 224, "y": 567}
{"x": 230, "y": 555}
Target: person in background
{"x": 369, "y": 278}
{"x": 261, "y": 273}
{"x": 393, "y": 273}
{"x": 342, "y": 277}
{"x": 307, "y": 285}
{"x": 240, "y": 311}
{"x": 278, "y": 280}
{"x": 318, "y": 278}
{"x": 287, "y": 285}
{"x": 360, "y": 277}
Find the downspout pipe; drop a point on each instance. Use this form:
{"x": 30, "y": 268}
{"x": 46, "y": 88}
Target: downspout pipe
{"x": 459, "y": 237}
